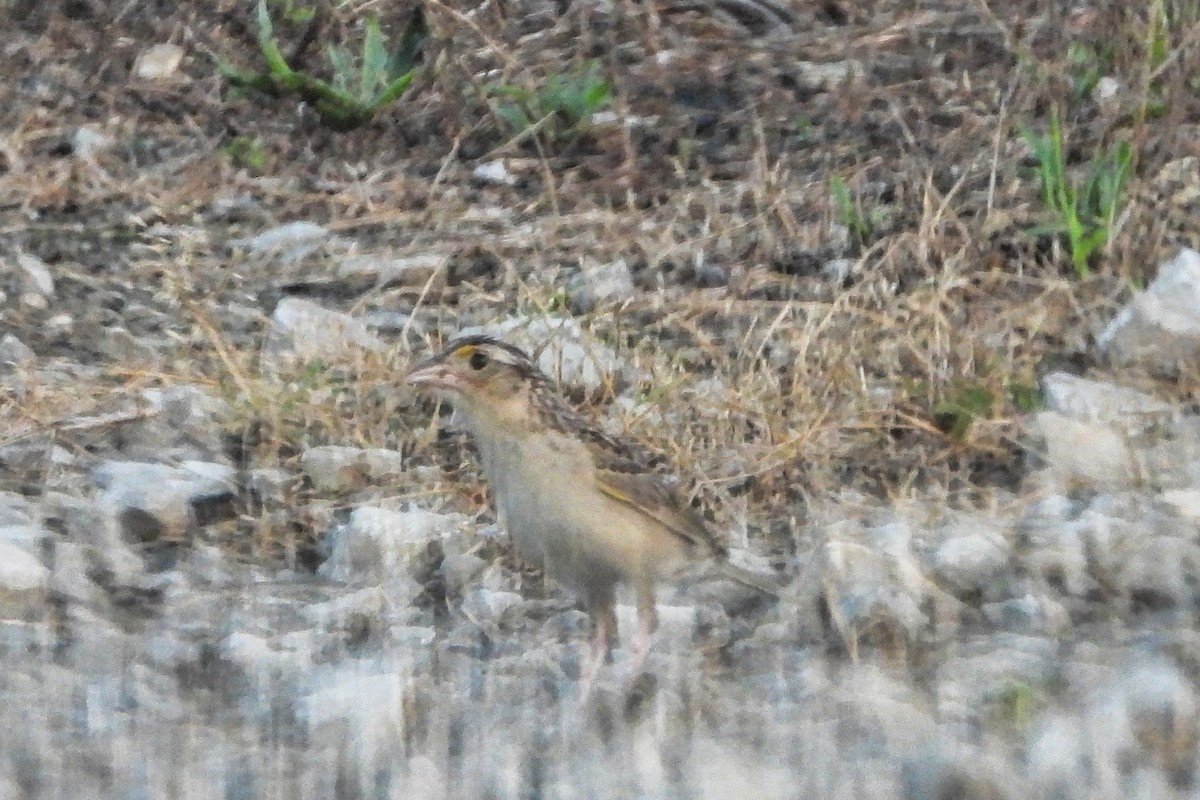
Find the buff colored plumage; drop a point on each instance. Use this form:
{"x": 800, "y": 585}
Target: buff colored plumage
{"x": 585, "y": 504}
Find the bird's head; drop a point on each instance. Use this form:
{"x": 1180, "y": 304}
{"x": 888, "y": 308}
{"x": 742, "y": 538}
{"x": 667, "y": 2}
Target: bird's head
{"x": 480, "y": 374}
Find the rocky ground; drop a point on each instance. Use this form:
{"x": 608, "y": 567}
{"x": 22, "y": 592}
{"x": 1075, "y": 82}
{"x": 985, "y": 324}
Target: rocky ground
{"x": 238, "y": 559}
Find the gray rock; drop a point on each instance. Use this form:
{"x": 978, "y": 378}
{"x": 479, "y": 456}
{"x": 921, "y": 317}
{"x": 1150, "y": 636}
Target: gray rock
{"x": 839, "y": 270}
{"x": 1183, "y": 502}
{"x": 28, "y": 536}
{"x": 16, "y": 509}
{"x": 459, "y": 571}
{"x": 1144, "y": 721}
{"x": 494, "y": 172}
{"x": 415, "y": 270}
{"x": 378, "y": 544}
{"x": 1136, "y": 553}
{"x": 1034, "y": 614}
{"x": 826, "y": 75}
{"x": 15, "y": 353}
{"x": 869, "y": 598}
{"x": 603, "y": 283}
{"x": 288, "y": 243}
{"x": 23, "y": 580}
{"x": 88, "y": 141}
{"x": 1160, "y": 328}
{"x": 1088, "y": 452}
{"x": 36, "y": 277}
{"x": 155, "y": 501}
{"x": 93, "y": 526}
{"x": 952, "y": 770}
{"x": 302, "y": 331}
{"x": 486, "y": 605}
{"x": 333, "y": 468}
{"x": 972, "y": 556}
{"x": 243, "y": 205}
{"x": 1099, "y": 402}
{"x": 185, "y": 423}
{"x": 158, "y": 62}
{"x": 70, "y": 576}
{"x": 271, "y": 487}
{"x": 394, "y": 322}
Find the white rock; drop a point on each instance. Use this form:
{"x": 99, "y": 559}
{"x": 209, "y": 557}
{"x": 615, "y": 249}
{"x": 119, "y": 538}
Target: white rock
{"x": 1184, "y": 502}
{"x": 29, "y": 536}
{"x": 494, "y": 172}
{"x": 16, "y": 509}
{"x": 676, "y": 623}
{"x": 371, "y": 705}
{"x": 22, "y": 578}
{"x": 487, "y": 605}
{"x": 838, "y": 270}
{"x": 826, "y": 75}
{"x": 1160, "y": 327}
{"x": 15, "y": 352}
{"x": 969, "y": 562}
{"x": 88, "y": 141}
{"x": 611, "y": 282}
{"x": 1151, "y": 710}
{"x": 334, "y": 468}
{"x": 1084, "y": 451}
{"x": 1057, "y": 553}
{"x": 370, "y": 601}
{"x": 1029, "y": 613}
{"x": 866, "y": 596}
{"x": 1059, "y": 757}
{"x": 377, "y": 544}
{"x": 71, "y": 576}
{"x": 289, "y": 235}
{"x": 1097, "y": 401}
{"x": 38, "y": 278}
{"x": 413, "y": 270}
{"x": 303, "y": 331}
{"x": 155, "y": 500}
{"x": 1106, "y": 89}
{"x": 158, "y": 62}
{"x": 459, "y": 571}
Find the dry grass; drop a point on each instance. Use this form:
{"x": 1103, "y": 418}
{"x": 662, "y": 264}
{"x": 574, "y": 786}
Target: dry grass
{"x": 765, "y": 379}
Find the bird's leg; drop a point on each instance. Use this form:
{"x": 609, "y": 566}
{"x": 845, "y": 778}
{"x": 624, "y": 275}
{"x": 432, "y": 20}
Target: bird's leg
{"x": 647, "y": 616}
{"x": 604, "y": 633}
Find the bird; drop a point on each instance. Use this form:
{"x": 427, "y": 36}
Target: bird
{"x": 590, "y": 507}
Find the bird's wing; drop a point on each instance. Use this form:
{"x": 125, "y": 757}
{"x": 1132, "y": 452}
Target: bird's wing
{"x": 650, "y": 496}
{"x": 630, "y": 474}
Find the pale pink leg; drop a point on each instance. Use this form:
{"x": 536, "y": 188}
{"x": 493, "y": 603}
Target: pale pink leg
{"x": 605, "y": 622}
{"x": 647, "y": 623}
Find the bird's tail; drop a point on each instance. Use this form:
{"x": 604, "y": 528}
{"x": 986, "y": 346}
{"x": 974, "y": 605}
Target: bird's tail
{"x": 763, "y": 583}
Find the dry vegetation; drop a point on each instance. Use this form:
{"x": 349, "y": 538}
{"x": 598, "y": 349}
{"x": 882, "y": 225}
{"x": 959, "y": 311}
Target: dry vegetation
{"x": 767, "y": 377}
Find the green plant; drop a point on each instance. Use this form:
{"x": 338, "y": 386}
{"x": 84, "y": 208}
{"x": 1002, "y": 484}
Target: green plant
{"x": 1088, "y": 65}
{"x": 356, "y": 91}
{"x": 850, "y": 212}
{"x": 1025, "y": 397}
{"x": 246, "y": 152}
{"x": 293, "y": 12}
{"x": 1082, "y": 212}
{"x": 1161, "y": 25}
{"x": 964, "y": 403}
{"x": 560, "y": 109}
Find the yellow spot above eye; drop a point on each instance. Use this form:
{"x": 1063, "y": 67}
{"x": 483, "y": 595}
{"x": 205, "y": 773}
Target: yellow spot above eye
{"x": 465, "y": 351}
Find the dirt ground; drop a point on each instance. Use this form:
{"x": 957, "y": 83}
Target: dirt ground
{"x": 891, "y": 358}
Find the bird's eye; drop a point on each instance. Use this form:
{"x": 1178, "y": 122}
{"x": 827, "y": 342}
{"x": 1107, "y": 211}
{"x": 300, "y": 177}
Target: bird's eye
{"x": 478, "y": 360}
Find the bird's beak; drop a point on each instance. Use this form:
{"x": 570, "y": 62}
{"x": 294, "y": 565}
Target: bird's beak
{"x": 435, "y": 375}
